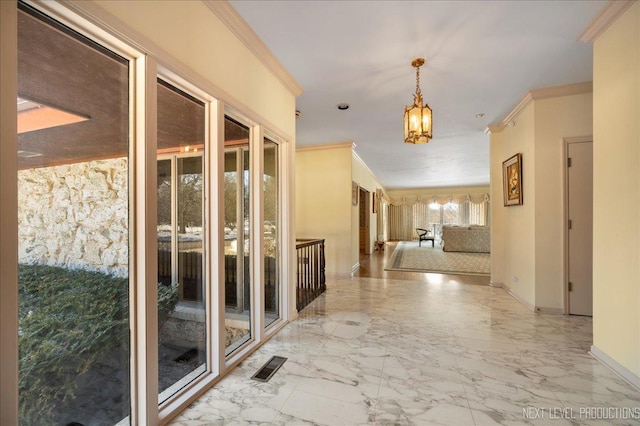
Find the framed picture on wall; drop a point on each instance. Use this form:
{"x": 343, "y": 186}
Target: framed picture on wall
{"x": 512, "y": 180}
{"x": 355, "y": 191}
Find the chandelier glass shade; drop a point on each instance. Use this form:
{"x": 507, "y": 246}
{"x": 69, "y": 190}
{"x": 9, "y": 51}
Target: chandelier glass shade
{"x": 417, "y": 117}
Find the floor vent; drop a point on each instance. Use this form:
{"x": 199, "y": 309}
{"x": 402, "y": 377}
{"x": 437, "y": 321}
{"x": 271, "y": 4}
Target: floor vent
{"x": 269, "y": 369}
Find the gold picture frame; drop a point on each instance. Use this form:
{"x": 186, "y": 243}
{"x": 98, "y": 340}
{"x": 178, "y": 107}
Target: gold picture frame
{"x": 512, "y": 180}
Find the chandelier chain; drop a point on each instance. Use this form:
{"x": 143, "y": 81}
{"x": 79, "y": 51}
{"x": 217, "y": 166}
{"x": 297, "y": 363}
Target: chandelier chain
{"x": 418, "y": 91}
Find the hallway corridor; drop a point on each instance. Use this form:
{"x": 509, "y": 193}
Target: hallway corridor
{"x": 428, "y": 349}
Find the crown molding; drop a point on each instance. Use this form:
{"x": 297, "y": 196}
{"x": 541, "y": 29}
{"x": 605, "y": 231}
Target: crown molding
{"x": 540, "y": 93}
{"x": 603, "y": 20}
{"x": 492, "y": 129}
{"x": 366, "y": 167}
{"x": 517, "y": 109}
{"x": 239, "y": 27}
{"x": 318, "y": 147}
{"x": 564, "y": 90}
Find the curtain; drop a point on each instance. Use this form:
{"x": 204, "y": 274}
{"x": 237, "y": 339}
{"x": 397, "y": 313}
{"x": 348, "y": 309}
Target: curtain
{"x": 431, "y": 212}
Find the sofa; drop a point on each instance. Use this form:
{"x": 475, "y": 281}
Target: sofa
{"x": 475, "y": 239}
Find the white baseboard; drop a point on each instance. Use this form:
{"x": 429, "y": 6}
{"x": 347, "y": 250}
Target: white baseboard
{"x": 617, "y": 368}
{"x": 532, "y": 308}
{"x": 496, "y": 284}
{"x": 519, "y": 299}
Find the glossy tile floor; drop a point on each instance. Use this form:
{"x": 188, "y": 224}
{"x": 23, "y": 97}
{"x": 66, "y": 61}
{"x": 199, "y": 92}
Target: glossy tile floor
{"x": 425, "y": 349}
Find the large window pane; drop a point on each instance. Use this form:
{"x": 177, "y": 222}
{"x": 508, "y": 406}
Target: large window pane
{"x": 450, "y": 214}
{"x": 237, "y": 236}
{"x": 182, "y": 348}
{"x": 73, "y": 210}
{"x": 270, "y": 233}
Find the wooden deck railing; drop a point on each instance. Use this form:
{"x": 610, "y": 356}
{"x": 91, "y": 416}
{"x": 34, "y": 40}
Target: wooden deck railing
{"x": 311, "y": 279}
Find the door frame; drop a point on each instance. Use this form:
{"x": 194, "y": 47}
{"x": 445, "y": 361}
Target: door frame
{"x": 565, "y": 215}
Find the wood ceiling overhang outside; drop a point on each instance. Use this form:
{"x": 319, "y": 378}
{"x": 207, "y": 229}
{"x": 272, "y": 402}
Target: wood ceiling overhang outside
{"x": 63, "y": 70}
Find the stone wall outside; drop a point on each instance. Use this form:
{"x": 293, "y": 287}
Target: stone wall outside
{"x": 75, "y": 216}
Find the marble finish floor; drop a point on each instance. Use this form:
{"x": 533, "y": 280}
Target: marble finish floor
{"x": 383, "y": 351}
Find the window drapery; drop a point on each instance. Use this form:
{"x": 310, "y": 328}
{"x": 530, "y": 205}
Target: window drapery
{"x": 431, "y": 212}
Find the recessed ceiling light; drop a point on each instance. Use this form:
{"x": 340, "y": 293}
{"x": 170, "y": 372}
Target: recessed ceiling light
{"x": 343, "y": 107}
{"x": 480, "y": 115}
{"x": 511, "y": 123}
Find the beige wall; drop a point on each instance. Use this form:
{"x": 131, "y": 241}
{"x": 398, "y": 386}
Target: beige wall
{"x": 496, "y": 211}
{"x": 616, "y": 255}
{"x": 555, "y": 119}
{"x": 514, "y": 255}
{"x": 361, "y": 174}
{"x": 323, "y": 202}
{"x": 527, "y": 253}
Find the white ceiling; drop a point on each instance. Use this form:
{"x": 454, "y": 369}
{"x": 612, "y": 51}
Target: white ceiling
{"x": 481, "y": 57}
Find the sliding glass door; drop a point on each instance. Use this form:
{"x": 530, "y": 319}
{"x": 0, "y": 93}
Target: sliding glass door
{"x": 182, "y": 350}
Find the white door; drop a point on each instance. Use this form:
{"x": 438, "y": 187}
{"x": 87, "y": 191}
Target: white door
{"x": 580, "y": 243}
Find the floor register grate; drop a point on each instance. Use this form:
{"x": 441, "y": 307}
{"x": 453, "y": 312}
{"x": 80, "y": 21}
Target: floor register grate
{"x": 269, "y": 369}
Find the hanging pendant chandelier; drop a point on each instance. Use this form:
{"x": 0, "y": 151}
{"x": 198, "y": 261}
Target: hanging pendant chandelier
{"x": 417, "y": 117}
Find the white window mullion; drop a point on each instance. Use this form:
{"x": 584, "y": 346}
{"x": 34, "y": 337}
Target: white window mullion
{"x": 214, "y": 218}
{"x": 144, "y": 257}
{"x": 217, "y": 236}
{"x": 256, "y": 147}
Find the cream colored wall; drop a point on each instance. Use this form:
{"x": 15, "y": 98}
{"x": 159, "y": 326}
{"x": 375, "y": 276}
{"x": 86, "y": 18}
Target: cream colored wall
{"x": 497, "y": 212}
{"x": 193, "y": 34}
{"x": 516, "y": 263}
{"x": 527, "y": 252}
{"x": 361, "y": 174}
{"x": 616, "y": 190}
{"x": 555, "y": 119}
{"x": 323, "y": 203}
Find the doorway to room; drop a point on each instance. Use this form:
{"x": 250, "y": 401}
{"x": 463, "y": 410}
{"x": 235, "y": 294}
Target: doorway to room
{"x": 365, "y": 221}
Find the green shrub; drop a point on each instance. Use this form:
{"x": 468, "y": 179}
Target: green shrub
{"x": 68, "y": 319}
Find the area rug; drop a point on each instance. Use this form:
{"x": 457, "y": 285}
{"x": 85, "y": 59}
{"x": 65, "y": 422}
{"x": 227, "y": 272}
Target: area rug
{"x": 409, "y": 257}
